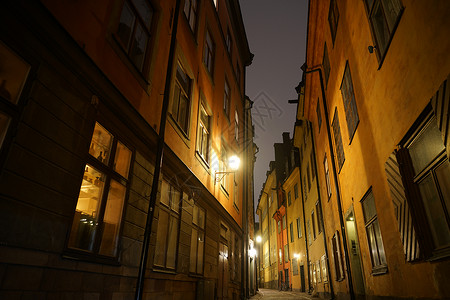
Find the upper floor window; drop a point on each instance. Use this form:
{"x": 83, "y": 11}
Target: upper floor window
{"x": 191, "y": 13}
{"x": 203, "y": 137}
{"x": 373, "y": 231}
{"x": 313, "y": 222}
{"x": 168, "y": 224}
{"x": 319, "y": 218}
{"x": 327, "y": 176}
{"x": 333, "y": 18}
{"x": 384, "y": 16}
{"x": 338, "y": 140}
{"x": 289, "y": 198}
{"x": 229, "y": 41}
{"x": 319, "y": 115}
{"x": 134, "y": 30}
{"x": 291, "y": 232}
{"x": 313, "y": 166}
{"x": 209, "y": 53}
{"x": 296, "y": 191}
{"x": 299, "y": 228}
{"x": 197, "y": 240}
{"x": 181, "y": 103}
{"x": 236, "y": 126}
{"x": 336, "y": 251}
{"x": 348, "y": 96}
{"x": 227, "y": 99}
{"x": 326, "y": 64}
{"x": 98, "y": 213}
{"x": 284, "y": 222}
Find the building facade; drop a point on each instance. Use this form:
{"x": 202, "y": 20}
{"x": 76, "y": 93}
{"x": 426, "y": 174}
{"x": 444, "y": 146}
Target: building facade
{"x": 90, "y": 92}
{"x": 376, "y": 94}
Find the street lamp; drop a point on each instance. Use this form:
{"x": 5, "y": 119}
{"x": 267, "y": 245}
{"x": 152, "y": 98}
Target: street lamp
{"x": 233, "y": 163}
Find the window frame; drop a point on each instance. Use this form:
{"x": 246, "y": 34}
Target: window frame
{"x": 336, "y": 251}
{"x": 333, "y": 19}
{"x": 202, "y": 230}
{"x": 299, "y": 228}
{"x": 291, "y": 229}
{"x": 340, "y": 154}
{"x": 209, "y": 54}
{"x": 326, "y": 65}
{"x": 193, "y": 9}
{"x": 227, "y": 98}
{"x": 177, "y": 84}
{"x": 349, "y": 102}
{"x": 327, "y": 176}
{"x": 204, "y": 130}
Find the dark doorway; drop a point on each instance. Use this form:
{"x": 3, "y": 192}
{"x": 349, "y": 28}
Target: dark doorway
{"x": 302, "y": 278}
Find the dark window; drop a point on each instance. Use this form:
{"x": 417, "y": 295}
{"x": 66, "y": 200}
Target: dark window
{"x": 348, "y": 96}
{"x": 134, "y": 30}
{"x": 236, "y": 126}
{"x": 289, "y": 198}
{"x": 227, "y": 99}
{"x": 98, "y": 214}
{"x": 319, "y": 114}
{"x": 373, "y": 231}
{"x": 229, "y": 42}
{"x": 203, "y": 136}
{"x": 338, "y": 140}
{"x": 197, "y": 240}
{"x": 384, "y": 16}
{"x": 296, "y": 191}
{"x": 291, "y": 232}
{"x": 209, "y": 53}
{"x": 168, "y": 225}
{"x": 327, "y": 176}
{"x": 333, "y": 18}
{"x": 299, "y": 228}
{"x": 326, "y": 64}
{"x": 338, "y": 266}
{"x": 309, "y": 177}
{"x": 304, "y": 188}
{"x": 319, "y": 218}
{"x": 313, "y": 166}
{"x": 279, "y": 226}
{"x": 313, "y": 222}
{"x": 181, "y": 100}
{"x": 191, "y": 13}
{"x": 284, "y": 222}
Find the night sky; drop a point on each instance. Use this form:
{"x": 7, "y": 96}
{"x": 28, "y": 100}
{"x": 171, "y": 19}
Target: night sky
{"x": 276, "y": 31}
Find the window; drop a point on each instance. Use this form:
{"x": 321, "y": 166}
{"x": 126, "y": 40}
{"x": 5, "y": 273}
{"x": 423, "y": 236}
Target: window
{"x": 13, "y": 75}
{"x": 236, "y": 126}
{"x": 227, "y": 99}
{"x": 197, "y": 240}
{"x": 266, "y": 254}
{"x": 338, "y": 267}
{"x": 279, "y": 226}
{"x": 313, "y": 166}
{"x": 333, "y": 18}
{"x": 296, "y": 191}
{"x": 191, "y": 13}
{"x": 338, "y": 140}
{"x": 294, "y": 266}
{"x": 215, "y": 3}
{"x": 318, "y": 275}
{"x": 308, "y": 176}
{"x": 229, "y": 42}
{"x": 373, "y": 231}
{"x": 98, "y": 214}
{"x": 304, "y": 188}
{"x": 327, "y": 176}
{"x": 291, "y": 231}
{"x": 324, "y": 268}
{"x": 235, "y": 196}
{"x": 308, "y": 228}
{"x": 319, "y": 114}
{"x": 348, "y": 96}
{"x": 313, "y": 222}
{"x": 209, "y": 53}
{"x": 299, "y": 228}
{"x": 284, "y": 222}
{"x": 168, "y": 224}
{"x": 326, "y": 64}
{"x": 181, "y": 103}
{"x": 319, "y": 217}
{"x": 203, "y": 136}
{"x": 286, "y": 253}
{"x": 280, "y": 256}
{"x": 425, "y": 169}
{"x": 384, "y": 16}
{"x": 289, "y": 198}
{"x": 134, "y": 30}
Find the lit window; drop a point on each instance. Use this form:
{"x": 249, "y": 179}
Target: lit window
{"x": 134, "y": 30}
{"x": 98, "y": 214}
{"x": 181, "y": 100}
{"x": 203, "y": 137}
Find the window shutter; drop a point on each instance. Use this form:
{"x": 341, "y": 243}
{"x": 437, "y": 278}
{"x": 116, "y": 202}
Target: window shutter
{"x": 401, "y": 207}
{"x": 441, "y": 107}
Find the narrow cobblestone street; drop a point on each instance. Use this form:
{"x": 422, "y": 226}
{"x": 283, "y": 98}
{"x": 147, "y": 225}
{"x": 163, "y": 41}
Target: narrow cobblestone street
{"x": 266, "y": 294}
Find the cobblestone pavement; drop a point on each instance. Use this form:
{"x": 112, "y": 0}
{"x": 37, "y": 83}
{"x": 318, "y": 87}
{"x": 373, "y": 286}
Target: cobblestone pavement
{"x": 266, "y": 294}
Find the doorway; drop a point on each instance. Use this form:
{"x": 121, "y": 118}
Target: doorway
{"x": 354, "y": 252}
{"x": 222, "y": 289}
{"x": 302, "y": 278}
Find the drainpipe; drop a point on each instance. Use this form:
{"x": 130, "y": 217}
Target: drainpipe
{"x": 333, "y": 165}
{"x": 159, "y": 159}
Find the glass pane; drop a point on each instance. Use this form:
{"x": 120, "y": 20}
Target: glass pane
{"x": 13, "y": 73}
{"x": 373, "y": 245}
{"x": 122, "y": 160}
{"x": 175, "y": 199}
{"x": 443, "y": 177}
{"x": 176, "y": 101}
{"x": 172, "y": 245}
{"x": 126, "y": 26}
{"x": 201, "y": 218}
{"x": 161, "y": 238}
{"x": 369, "y": 209}
{"x": 435, "y": 213}
{"x": 380, "y": 28}
{"x": 193, "y": 257}
{"x": 391, "y": 10}
{"x": 426, "y": 146}
{"x": 145, "y": 11}
{"x": 112, "y": 217}
{"x": 84, "y": 226}
{"x": 201, "y": 242}
{"x": 183, "y": 113}
{"x": 137, "y": 53}
{"x": 4, "y": 124}
{"x": 187, "y": 8}
{"x": 195, "y": 215}
{"x": 382, "y": 255}
{"x": 101, "y": 144}
{"x": 165, "y": 193}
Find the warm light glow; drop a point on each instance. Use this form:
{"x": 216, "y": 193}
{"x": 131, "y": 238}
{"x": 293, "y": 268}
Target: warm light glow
{"x": 351, "y": 218}
{"x": 296, "y": 255}
{"x": 233, "y": 162}
{"x": 258, "y": 239}
{"x": 252, "y": 252}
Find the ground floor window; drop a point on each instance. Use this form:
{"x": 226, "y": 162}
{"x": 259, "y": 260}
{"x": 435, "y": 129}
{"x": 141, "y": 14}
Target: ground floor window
{"x": 197, "y": 240}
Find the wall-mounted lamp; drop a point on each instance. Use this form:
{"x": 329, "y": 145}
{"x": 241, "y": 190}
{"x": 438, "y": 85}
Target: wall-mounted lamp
{"x": 233, "y": 163}
{"x": 296, "y": 255}
{"x": 252, "y": 252}
{"x": 370, "y": 48}
{"x": 258, "y": 239}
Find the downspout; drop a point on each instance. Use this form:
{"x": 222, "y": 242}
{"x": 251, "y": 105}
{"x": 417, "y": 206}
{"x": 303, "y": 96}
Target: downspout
{"x": 321, "y": 212}
{"x": 333, "y": 165}
{"x": 159, "y": 159}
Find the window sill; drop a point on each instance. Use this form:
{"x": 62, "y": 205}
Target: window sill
{"x": 235, "y": 207}
{"x": 81, "y": 255}
{"x": 380, "y": 270}
{"x": 439, "y": 254}
{"x": 203, "y": 162}
{"x": 210, "y": 76}
{"x": 380, "y": 56}
{"x": 160, "y": 270}
{"x": 184, "y": 137}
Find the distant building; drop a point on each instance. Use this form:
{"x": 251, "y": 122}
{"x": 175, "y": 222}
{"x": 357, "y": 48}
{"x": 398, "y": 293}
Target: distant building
{"x": 83, "y": 85}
